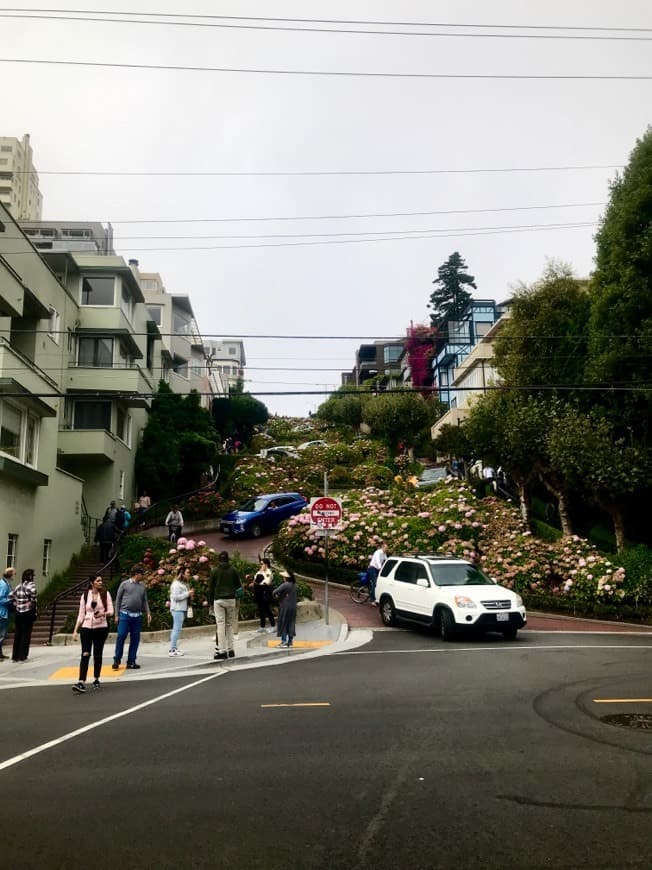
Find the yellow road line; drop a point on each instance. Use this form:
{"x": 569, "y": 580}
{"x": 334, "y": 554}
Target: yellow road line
{"x": 300, "y": 644}
{"x": 73, "y": 673}
{"x": 315, "y": 704}
{"x": 622, "y": 700}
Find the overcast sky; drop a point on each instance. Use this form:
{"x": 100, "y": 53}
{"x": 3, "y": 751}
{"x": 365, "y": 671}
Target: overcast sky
{"x": 127, "y": 120}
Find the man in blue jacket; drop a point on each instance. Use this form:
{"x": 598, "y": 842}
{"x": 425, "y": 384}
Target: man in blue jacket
{"x": 5, "y": 600}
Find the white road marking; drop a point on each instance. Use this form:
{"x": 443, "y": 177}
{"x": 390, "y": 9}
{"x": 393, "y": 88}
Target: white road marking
{"x": 23, "y": 756}
{"x": 512, "y": 647}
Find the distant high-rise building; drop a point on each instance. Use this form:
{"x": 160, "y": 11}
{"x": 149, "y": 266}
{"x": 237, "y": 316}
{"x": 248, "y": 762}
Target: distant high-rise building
{"x": 19, "y": 191}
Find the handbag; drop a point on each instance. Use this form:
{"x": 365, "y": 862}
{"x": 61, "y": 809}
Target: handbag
{"x": 190, "y": 612}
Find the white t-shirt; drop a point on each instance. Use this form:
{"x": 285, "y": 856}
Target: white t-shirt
{"x": 378, "y": 559}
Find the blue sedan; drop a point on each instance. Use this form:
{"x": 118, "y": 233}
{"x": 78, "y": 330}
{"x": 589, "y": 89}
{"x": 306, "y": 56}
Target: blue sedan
{"x": 262, "y": 514}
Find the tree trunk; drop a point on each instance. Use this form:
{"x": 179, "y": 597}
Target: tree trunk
{"x": 524, "y": 502}
{"x": 562, "y": 506}
{"x": 618, "y": 520}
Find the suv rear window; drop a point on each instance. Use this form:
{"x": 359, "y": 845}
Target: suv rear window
{"x": 458, "y": 575}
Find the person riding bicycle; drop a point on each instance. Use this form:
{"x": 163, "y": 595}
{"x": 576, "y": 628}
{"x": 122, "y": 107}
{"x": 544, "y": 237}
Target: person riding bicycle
{"x": 377, "y": 561}
{"x": 174, "y": 522}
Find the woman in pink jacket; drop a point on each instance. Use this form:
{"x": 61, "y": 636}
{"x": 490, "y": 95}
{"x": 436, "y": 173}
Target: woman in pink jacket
{"x": 95, "y": 607}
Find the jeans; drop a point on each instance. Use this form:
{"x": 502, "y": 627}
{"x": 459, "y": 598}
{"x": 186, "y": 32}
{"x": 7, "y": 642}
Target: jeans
{"x": 91, "y": 638}
{"x": 178, "y": 617}
{"x": 225, "y": 619}
{"x": 4, "y": 625}
{"x": 128, "y": 625}
{"x": 22, "y": 635}
{"x": 372, "y": 576}
{"x": 263, "y": 597}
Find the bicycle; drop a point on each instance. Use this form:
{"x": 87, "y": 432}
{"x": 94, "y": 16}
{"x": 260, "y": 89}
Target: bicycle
{"x": 360, "y": 589}
{"x": 174, "y": 533}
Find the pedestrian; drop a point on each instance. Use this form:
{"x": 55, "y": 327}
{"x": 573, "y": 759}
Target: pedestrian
{"x": 262, "y": 587}
{"x": 225, "y": 587}
{"x": 377, "y": 561}
{"x": 489, "y": 476}
{"x": 174, "y": 522}
{"x": 286, "y": 594}
{"x": 110, "y": 513}
{"x": 122, "y": 520}
{"x": 180, "y": 596}
{"x": 25, "y": 600}
{"x": 105, "y": 537}
{"x": 92, "y": 626}
{"x": 144, "y": 503}
{"x": 130, "y": 605}
{"x": 455, "y": 467}
{"x": 6, "y": 604}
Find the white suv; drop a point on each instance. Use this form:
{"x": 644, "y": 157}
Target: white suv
{"x": 447, "y": 594}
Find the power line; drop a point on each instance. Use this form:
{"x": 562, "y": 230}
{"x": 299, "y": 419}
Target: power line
{"x": 316, "y": 73}
{"x": 316, "y": 172}
{"x": 299, "y": 25}
{"x": 362, "y": 215}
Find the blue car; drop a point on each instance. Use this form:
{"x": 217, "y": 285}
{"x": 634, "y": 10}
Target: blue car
{"x": 262, "y": 514}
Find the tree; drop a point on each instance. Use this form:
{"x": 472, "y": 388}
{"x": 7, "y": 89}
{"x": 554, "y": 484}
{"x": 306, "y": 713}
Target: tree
{"x": 396, "y": 417}
{"x": 179, "y": 444}
{"x": 452, "y": 441}
{"x": 450, "y": 298}
{"x": 621, "y": 318}
{"x": 239, "y": 413}
{"x": 543, "y": 342}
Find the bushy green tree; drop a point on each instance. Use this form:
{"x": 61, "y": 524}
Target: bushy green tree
{"x": 621, "y": 290}
{"x": 451, "y": 296}
{"x": 179, "y": 445}
{"x": 240, "y": 413}
{"x": 397, "y": 417}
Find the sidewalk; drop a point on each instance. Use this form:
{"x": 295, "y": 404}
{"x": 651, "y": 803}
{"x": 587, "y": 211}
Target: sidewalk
{"x": 58, "y": 665}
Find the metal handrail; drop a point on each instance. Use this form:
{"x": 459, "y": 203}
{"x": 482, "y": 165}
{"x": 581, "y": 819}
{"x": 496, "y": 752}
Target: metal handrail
{"x": 113, "y": 561}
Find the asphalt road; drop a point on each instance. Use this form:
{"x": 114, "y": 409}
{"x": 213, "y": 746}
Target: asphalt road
{"x": 405, "y": 753}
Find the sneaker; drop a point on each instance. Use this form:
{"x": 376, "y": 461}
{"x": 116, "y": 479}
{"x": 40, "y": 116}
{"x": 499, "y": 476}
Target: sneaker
{"x": 260, "y": 630}
{"x": 80, "y": 688}
{"x": 219, "y": 657}
{"x": 97, "y": 684}
{"x": 231, "y": 654}
{"x": 133, "y": 666}
{"x": 178, "y": 652}
{"x": 271, "y": 630}
{"x": 115, "y": 666}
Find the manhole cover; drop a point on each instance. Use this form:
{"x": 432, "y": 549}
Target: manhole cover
{"x": 641, "y": 721}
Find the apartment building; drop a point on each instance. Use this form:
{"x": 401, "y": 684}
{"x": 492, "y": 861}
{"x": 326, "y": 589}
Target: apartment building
{"x": 79, "y": 236}
{"x": 381, "y": 360}
{"x": 19, "y": 190}
{"x": 184, "y": 360}
{"x": 226, "y": 359}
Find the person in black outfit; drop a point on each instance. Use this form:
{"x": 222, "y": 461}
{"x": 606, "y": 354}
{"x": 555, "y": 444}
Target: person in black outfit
{"x": 105, "y": 537}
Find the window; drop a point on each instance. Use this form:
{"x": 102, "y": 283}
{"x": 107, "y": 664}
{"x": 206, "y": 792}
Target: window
{"x": 6, "y": 149}
{"x": 12, "y": 551}
{"x": 98, "y": 291}
{"x": 154, "y": 312}
{"x": 123, "y": 426}
{"x": 392, "y": 353}
{"x": 410, "y": 572}
{"x": 95, "y": 352}
{"x": 92, "y": 415}
{"x": 121, "y": 491}
{"x": 10, "y": 428}
{"x": 45, "y": 559}
{"x": 75, "y": 234}
{"x": 180, "y": 323}
{"x": 181, "y": 368}
{"x": 124, "y": 360}
{"x": 31, "y": 441}
{"x": 232, "y": 351}
{"x": 126, "y": 304}
{"x": 53, "y": 324}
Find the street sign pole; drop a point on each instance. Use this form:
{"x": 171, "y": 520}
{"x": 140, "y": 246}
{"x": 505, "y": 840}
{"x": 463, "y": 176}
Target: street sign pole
{"x": 326, "y": 556}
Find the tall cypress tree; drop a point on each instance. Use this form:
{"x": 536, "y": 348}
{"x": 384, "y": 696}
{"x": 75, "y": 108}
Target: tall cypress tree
{"x": 451, "y": 296}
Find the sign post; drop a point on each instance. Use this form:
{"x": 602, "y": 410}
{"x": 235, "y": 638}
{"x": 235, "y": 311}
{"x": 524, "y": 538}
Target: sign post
{"x": 326, "y": 518}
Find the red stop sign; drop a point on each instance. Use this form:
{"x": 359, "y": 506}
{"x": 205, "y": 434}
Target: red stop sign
{"x": 325, "y": 512}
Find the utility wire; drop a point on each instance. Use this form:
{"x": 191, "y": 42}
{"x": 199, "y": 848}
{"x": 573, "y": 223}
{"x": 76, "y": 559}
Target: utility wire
{"x": 316, "y": 172}
{"x": 299, "y": 25}
{"x": 601, "y": 77}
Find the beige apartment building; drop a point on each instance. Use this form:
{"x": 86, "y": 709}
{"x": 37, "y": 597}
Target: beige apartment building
{"x": 227, "y": 360}
{"x": 19, "y": 190}
{"x": 80, "y": 356}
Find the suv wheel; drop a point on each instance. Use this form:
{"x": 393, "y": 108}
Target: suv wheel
{"x": 447, "y": 625}
{"x": 510, "y": 633}
{"x": 387, "y": 612}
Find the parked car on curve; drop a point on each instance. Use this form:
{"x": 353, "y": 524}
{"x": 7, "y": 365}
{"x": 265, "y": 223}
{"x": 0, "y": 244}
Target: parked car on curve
{"x": 447, "y": 594}
{"x": 307, "y": 445}
{"x": 279, "y": 450}
{"x": 262, "y": 514}
{"x": 431, "y": 476}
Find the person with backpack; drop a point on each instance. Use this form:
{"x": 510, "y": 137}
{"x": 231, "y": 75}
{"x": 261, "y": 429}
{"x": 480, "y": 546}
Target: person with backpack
{"x": 25, "y": 599}
{"x": 6, "y": 604}
{"x": 110, "y": 513}
{"x": 122, "y": 520}
{"x": 95, "y": 607}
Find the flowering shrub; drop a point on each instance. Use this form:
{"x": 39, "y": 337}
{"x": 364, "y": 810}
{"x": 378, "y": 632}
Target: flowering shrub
{"x": 451, "y": 519}
{"x": 203, "y": 505}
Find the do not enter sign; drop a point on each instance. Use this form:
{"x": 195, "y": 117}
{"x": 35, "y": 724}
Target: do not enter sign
{"x": 325, "y": 512}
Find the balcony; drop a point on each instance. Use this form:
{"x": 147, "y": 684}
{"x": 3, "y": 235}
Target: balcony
{"x": 132, "y": 385}
{"x": 108, "y": 320}
{"x": 96, "y": 445}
